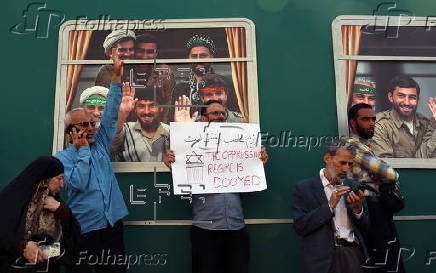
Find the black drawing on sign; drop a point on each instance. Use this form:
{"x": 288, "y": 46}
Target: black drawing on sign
{"x": 194, "y": 168}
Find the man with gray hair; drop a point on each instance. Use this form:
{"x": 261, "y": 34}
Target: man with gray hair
{"x": 124, "y": 42}
{"x": 331, "y": 215}
{"x": 93, "y": 100}
{"x": 93, "y": 193}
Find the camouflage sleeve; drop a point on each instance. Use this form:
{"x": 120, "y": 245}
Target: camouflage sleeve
{"x": 428, "y": 144}
{"x": 381, "y": 143}
{"x": 377, "y": 166}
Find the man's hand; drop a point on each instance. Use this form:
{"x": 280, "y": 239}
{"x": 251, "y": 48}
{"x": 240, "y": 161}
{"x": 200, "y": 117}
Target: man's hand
{"x": 183, "y": 113}
{"x": 51, "y": 204}
{"x": 170, "y": 158}
{"x": 117, "y": 67}
{"x": 33, "y": 253}
{"x": 356, "y": 201}
{"x": 128, "y": 100}
{"x": 337, "y": 194}
{"x": 263, "y": 154}
{"x": 432, "y": 107}
{"x": 78, "y": 138}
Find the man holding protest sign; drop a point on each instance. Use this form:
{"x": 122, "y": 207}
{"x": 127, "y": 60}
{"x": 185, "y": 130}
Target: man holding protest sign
{"x": 220, "y": 241}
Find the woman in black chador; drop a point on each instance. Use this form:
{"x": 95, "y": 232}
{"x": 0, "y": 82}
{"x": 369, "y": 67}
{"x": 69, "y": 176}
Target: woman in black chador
{"x": 38, "y": 232}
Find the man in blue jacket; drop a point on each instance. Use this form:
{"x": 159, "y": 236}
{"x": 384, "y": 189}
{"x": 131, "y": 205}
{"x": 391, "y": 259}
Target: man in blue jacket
{"x": 330, "y": 214}
{"x": 93, "y": 192}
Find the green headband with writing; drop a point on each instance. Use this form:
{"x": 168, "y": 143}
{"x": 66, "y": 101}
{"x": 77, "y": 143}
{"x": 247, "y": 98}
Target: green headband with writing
{"x": 95, "y": 101}
{"x": 364, "y": 89}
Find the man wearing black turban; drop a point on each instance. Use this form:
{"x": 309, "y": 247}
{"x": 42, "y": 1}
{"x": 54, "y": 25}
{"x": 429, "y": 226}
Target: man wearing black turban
{"x": 33, "y": 215}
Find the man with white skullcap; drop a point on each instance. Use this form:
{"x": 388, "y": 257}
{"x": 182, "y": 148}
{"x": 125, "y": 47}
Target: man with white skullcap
{"x": 124, "y": 41}
{"x": 93, "y": 100}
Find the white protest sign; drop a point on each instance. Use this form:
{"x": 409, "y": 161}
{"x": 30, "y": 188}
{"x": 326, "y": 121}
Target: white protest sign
{"x": 216, "y": 157}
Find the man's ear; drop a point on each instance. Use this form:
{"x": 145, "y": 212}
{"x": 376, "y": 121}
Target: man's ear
{"x": 352, "y": 125}
{"x": 391, "y": 96}
{"x": 327, "y": 158}
{"x": 204, "y": 118}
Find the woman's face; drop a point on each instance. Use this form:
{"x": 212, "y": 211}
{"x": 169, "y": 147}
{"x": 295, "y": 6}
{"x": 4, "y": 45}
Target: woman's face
{"x": 56, "y": 184}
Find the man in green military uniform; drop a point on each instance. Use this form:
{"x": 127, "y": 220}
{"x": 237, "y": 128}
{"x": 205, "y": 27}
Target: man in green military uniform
{"x": 401, "y": 132}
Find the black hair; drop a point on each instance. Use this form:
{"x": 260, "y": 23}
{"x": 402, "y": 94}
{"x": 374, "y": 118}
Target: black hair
{"x": 354, "y": 110}
{"x": 404, "y": 81}
{"x": 147, "y": 93}
{"x": 214, "y": 80}
{"x": 146, "y": 38}
{"x": 204, "y": 109}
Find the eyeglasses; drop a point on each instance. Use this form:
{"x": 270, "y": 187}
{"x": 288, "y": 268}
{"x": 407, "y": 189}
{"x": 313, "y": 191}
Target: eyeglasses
{"x": 146, "y": 51}
{"x": 125, "y": 49}
{"x": 217, "y": 113}
{"x": 85, "y": 123}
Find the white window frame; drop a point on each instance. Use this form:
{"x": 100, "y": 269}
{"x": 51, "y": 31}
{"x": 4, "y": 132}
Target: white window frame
{"x": 339, "y": 63}
{"x": 63, "y": 62}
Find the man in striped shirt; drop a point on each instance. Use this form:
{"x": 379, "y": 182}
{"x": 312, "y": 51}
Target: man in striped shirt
{"x": 142, "y": 140}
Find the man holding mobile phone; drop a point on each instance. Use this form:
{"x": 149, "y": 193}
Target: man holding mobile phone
{"x": 93, "y": 192}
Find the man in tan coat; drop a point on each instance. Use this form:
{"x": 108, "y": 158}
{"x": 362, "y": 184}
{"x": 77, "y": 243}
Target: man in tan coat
{"x": 401, "y": 132}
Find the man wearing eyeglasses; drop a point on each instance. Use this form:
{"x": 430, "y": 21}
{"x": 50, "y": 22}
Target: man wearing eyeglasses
{"x": 93, "y": 192}
{"x": 223, "y": 245}
{"x": 124, "y": 43}
{"x": 215, "y": 88}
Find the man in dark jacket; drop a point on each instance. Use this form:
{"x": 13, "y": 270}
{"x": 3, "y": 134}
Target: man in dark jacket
{"x": 331, "y": 215}
{"x": 384, "y": 197}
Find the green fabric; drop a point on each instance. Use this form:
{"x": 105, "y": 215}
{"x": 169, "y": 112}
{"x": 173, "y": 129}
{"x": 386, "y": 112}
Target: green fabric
{"x": 95, "y": 101}
{"x": 364, "y": 89}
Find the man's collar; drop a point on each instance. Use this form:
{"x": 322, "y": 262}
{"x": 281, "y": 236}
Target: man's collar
{"x": 159, "y": 129}
{"x": 324, "y": 180}
{"x": 358, "y": 138}
{"x": 399, "y": 122}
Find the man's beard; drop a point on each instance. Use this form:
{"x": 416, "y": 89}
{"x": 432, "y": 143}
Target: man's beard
{"x": 149, "y": 125}
{"x": 200, "y": 71}
{"x": 363, "y": 133}
{"x": 218, "y": 120}
{"x": 339, "y": 178}
{"x": 403, "y": 115}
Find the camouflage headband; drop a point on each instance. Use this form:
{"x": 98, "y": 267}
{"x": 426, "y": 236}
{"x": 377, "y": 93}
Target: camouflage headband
{"x": 201, "y": 40}
{"x": 364, "y": 89}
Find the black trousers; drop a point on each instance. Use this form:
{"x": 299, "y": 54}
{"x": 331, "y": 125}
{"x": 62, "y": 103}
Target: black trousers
{"x": 218, "y": 251}
{"x": 102, "y": 250}
{"x": 347, "y": 260}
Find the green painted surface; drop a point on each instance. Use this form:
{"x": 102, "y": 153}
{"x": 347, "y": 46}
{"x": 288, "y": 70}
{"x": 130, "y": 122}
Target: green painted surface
{"x": 296, "y": 90}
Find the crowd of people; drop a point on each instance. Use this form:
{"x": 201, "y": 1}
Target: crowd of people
{"x": 344, "y": 214}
